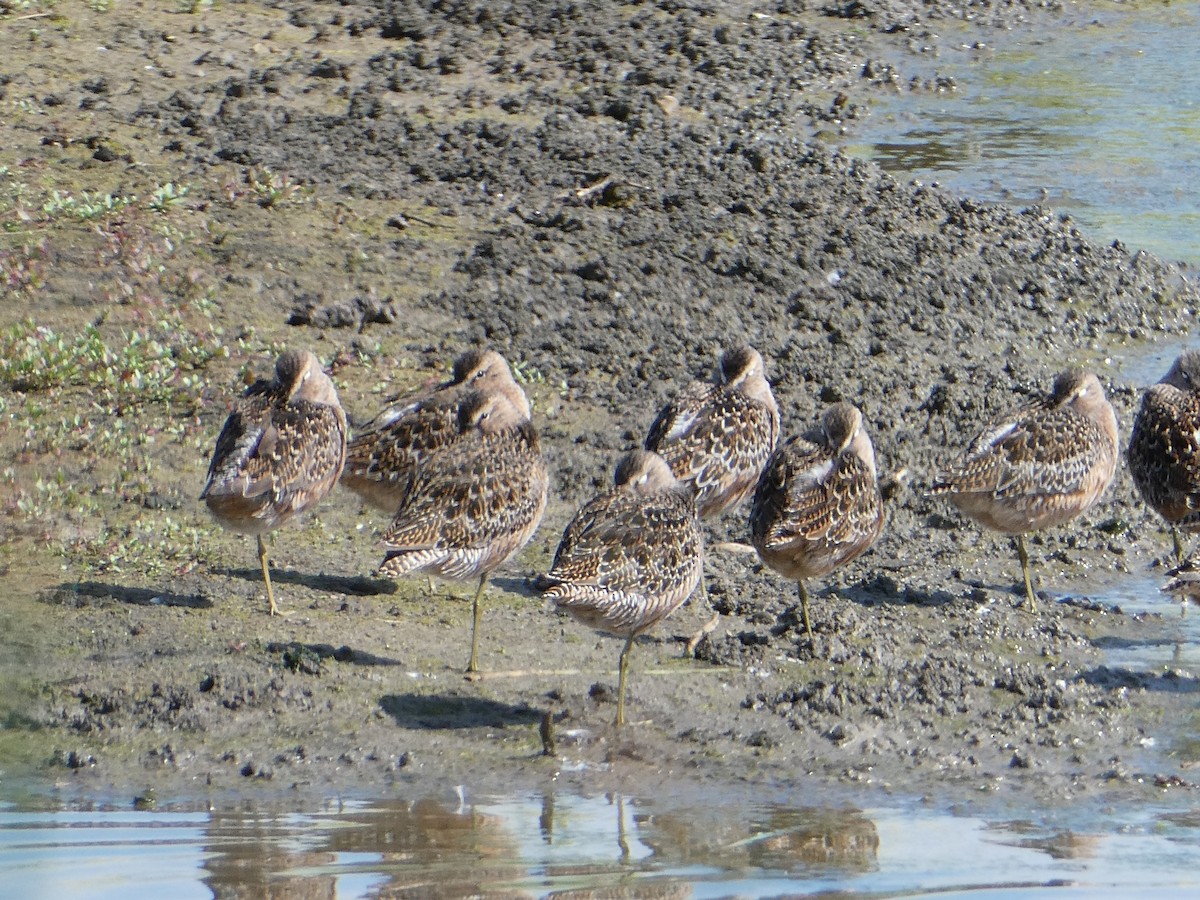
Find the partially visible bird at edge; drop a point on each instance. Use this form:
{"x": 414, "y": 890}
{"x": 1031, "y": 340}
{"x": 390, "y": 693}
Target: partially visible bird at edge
{"x": 1184, "y": 583}
{"x": 630, "y": 557}
{"x": 1164, "y": 448}
{"x": 470, "y": 507}
{"x": 818, "y": 505}
{"x": 1039, "y": 465}
{"x": 280, "y": 451}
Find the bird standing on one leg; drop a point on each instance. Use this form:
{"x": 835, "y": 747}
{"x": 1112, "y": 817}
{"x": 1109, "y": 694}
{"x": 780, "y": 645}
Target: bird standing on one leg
{"x": 630, "y": 557}
{"x": 717, "y": 435}
{"x": 470, "y": 507}
{"x": 1039, "y": 465}
{"x": 817, "y": 505}
{"x": 1164, "y": 448}
{"x": 280, "y": 451}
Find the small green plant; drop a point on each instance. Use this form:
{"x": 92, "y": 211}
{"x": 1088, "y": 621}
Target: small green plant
{"x": 34, "y": 358}
{"x": 86, "y": 207}
{"x": 56, "y": 493}
{"x": 168, "y": 196}
{"x": 525, "y": 372}
{"x": 140, "y": 367}
{"x": 150, "y": 545}
{"x": 273, "y": 188}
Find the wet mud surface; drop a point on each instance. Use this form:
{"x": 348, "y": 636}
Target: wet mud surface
{"x": 607, "y": 195}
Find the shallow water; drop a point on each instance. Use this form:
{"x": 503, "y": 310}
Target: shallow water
{"x": 1142, "y": 366}
{"x": 1178, "y": 649}
{"x": 1100, "y": 121}
{"x": 570, "y": 845}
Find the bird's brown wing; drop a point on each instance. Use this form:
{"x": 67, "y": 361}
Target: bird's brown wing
{"x": 1055, "y": 451}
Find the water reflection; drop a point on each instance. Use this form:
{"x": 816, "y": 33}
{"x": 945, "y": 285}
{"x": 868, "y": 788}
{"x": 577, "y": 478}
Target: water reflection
{"x": 1098, "y": 121}
{"x": 1177, "y": 647}
{"x": 790, "y": 840}
{"x": 407, "y": 847}
{"x": 1143, "y": 365}
{"x": 245, "y": 850}
{"x": 566, "y": 845}
{"x": 584, "y": 847}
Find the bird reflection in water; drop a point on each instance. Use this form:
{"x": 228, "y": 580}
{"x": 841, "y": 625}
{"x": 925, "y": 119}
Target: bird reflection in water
{"x": 789, "y": 839}
{"x": 424, "y": 847}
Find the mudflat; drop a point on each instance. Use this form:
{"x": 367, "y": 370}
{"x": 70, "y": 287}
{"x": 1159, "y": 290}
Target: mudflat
{"x": 608, "y": 195}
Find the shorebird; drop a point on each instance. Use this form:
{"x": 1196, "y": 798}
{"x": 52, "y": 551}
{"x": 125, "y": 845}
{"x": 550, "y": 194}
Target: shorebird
{"x": 280, "y": 451}
{"x": 384, "y": 453}
{"x": 817, "y": 505}
{"x": 1039, "y": 465}
{"x": 1164, "y": 449}
{"x": 470, "y": 507}
{"x": 717, "y": 436}
{"x": 630, "y": 557}
{"x": 1184, "y": 584}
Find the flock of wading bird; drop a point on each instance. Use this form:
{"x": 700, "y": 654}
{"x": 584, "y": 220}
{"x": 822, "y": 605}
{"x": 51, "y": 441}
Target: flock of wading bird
{"x": 460, "y": 470}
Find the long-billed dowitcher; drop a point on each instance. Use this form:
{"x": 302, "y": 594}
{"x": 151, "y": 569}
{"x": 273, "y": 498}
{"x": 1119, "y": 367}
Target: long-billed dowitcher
{"x": 1039, "y": 465}
{"x": 817, "y": 505}
{"x": 1164, "y": 449}
{"x": 630, "y": 557}
{"x": 717, "y": 436}
{"x": 383, "y": 454}
{"x": 470, "y": 507}
{"x": 281, "y": 450}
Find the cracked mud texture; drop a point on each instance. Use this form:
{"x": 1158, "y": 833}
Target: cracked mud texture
{"x": 607, "y": 195}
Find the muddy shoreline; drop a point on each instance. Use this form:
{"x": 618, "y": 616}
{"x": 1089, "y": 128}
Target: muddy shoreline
{"x": 606, "y": 196}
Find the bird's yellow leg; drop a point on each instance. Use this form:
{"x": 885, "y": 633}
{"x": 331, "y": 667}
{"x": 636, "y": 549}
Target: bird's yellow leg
{"x": 622, "y": 673}
{"x": 803, "y": 592}
{"x": 266, "y": 571}
{"x": 1024, "y": 558}
{"x": 476, "y": 615}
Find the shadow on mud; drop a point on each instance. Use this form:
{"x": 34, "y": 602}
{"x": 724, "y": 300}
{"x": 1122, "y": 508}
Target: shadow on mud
{"x": 1169, "y": 681}
{"x": 873, "y": 593}
{"x": 309, "y": 658}
{"x": 360, "y": 585}
{"x": 1115, "y": 642}
{"x": 522, "y": 587}
{"x": 442, "y": 711}
{"x": 85, "y": 593}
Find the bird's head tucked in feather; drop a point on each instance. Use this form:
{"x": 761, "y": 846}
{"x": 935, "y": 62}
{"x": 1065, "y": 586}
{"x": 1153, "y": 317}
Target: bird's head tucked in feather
{"x": 643, "y": 472}
{"x": 739, "y": 364}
